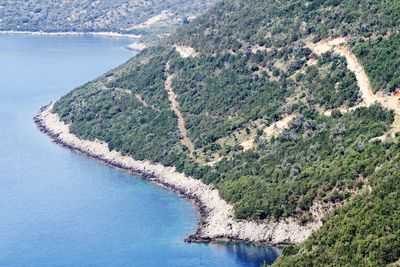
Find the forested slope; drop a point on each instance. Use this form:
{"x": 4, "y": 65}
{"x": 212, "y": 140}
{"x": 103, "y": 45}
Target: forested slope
{"x": 123, "y": 16}
{"x": 364, "y": 233}
{"x": 250, "y": 69}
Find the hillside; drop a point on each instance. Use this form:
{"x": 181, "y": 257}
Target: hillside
{"x": 122, "y": 16}
{"x": 288, "y": 108}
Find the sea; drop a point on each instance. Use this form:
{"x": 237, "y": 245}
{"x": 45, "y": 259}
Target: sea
{"x": 59, "y": 208}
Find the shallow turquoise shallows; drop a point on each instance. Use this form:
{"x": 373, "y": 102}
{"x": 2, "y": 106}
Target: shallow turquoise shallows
{"x": 58, "y": 208}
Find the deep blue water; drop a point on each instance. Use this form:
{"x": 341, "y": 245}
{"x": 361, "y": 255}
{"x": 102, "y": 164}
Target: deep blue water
{"x": 58, "y": 208}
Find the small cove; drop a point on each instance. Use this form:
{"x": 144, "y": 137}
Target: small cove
{"x": 58, "y": 208}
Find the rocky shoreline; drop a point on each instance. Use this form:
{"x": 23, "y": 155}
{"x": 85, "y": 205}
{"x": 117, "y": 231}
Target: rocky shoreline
{"x": 216, "y": 217}
{"x": 136, "y": 46}
{"x": 101, "y": 34}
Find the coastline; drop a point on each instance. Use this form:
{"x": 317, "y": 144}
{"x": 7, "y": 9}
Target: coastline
{"x": 136, "y": 46}
{"x": 216, "y": 217}
{"x": 101, "y": 34}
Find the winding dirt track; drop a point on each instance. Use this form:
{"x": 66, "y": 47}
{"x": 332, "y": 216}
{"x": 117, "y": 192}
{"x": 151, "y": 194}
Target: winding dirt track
{"x": 175, "y": 107}
{"x": 339, "y": 46}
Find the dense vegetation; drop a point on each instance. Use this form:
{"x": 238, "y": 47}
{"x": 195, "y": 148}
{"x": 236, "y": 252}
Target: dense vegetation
{"x": 333, "y": 88}
{"x": 364, "y": 233}
{"x": 381, "y": 58}
{"x": 285, "y": 176}
{"x": 253, "y": 69}
{"x": 213, "y": 89}
{"x": 100, "y": 113}
{"x": 273, "y": 23}
{"x": 123, "y": 16}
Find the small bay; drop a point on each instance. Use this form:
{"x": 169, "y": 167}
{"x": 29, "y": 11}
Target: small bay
{"x": 58, "y": 208}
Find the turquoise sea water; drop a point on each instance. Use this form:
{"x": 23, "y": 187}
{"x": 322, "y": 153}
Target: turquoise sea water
{"x": 58, "y": 208}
